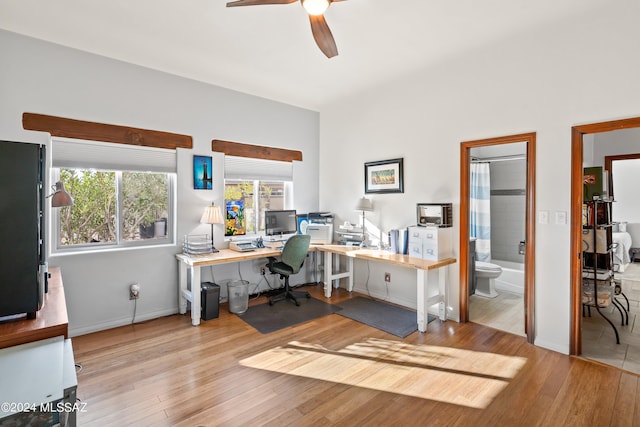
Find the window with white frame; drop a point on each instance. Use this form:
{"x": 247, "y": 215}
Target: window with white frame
{"x": 123, "y": 195}
{"x": 253, "y": 186}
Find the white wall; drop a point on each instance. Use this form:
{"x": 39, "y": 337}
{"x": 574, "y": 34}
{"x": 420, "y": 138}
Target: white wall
{"x": 44, "y": 78}
{"x": 627, "y": 198}
{"x": 545, "y": 81}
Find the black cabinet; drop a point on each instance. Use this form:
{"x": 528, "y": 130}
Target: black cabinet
{"x": 22, "y": 252}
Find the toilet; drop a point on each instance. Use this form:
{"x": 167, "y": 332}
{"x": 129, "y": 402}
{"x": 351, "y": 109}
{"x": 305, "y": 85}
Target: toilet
{"x": 486, "y": 273}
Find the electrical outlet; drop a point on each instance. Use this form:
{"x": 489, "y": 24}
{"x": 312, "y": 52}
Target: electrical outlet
{"x": 387, "y": 277}
{"x": 134, "y": 291}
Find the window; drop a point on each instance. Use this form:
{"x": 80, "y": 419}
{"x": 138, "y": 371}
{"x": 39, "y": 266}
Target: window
{"x": 266, "y": 195}
{"x": 114, "y": 206}
{"x": 251, "y": 187}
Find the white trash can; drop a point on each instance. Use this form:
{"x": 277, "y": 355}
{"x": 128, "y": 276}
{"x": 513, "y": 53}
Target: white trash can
{"x": 238, "y": 291}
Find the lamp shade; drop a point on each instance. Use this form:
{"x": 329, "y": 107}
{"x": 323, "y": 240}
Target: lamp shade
{"x": 212, "y": 215}
{"x": 61, "y": 197}
{"x": 364, "y": 204}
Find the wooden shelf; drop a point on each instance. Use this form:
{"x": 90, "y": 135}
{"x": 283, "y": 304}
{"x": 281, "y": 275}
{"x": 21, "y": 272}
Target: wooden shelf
{"x": 51, "y": 320}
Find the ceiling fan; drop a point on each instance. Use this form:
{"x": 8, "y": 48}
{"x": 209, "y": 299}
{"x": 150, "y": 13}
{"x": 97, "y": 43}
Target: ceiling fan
{"x": 315, "y": 9}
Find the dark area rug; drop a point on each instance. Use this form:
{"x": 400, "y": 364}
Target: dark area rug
{"x": 270, "y": 318}
{"x": 395, "y": 320}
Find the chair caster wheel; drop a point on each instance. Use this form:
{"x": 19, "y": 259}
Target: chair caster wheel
{"x": 270, "y": 302}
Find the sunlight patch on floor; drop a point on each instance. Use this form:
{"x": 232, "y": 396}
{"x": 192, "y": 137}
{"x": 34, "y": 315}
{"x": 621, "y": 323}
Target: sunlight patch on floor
{"x": 444, "y": 374}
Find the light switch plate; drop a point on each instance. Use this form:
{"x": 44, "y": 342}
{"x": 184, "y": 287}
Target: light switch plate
{"x": 543, "y": 217}
{"x": 561, "y": 217}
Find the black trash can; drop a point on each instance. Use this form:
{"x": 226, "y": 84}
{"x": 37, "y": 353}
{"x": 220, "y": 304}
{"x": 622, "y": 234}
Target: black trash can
{"x": 209, "y": 300}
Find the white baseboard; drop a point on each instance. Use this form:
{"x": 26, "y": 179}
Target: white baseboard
{"x": 114, "y": 323}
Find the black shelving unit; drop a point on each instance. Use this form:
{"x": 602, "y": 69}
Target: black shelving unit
{"x": 597, "y": 263}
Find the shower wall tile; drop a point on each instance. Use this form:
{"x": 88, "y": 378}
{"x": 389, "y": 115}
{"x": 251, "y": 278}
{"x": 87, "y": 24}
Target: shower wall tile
{"x": 508, "y": 212}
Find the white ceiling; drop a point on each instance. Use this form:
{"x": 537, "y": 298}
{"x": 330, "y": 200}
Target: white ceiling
{"x": 268, "y": 50}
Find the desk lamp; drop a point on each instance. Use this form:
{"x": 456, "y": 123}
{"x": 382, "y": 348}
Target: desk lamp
{"x": 60, "y": 197}
{"x": 212, "y": 215}
{"x": 364, "y": 205}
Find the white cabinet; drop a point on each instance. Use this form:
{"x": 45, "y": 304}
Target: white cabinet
{"x": 430, "y": 243}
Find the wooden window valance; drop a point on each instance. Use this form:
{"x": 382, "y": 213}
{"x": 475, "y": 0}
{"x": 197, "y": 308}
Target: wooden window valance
{"x": 254, "y": 151}
{"x": 79, "y": 129}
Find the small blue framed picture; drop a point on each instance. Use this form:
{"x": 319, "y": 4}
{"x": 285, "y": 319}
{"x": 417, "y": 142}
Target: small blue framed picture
{"x": 202, "y": 171}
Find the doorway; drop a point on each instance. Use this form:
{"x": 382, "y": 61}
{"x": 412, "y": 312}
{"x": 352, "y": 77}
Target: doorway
{"x": 577, "y": 175}
{"x": 466, "y": 258}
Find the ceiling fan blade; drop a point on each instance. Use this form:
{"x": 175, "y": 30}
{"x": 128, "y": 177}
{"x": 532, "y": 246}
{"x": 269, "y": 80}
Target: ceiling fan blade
{"x": 258, "y": 2}
{"x": 322, "y": 35}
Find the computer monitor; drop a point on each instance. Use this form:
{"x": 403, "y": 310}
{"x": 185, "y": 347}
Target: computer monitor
{"x": 277, "y": 223}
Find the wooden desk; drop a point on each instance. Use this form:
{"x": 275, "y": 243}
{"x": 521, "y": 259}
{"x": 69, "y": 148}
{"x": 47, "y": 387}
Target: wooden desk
{"x": 189, "y": 272}
{"x": 51, "y": 320}
{"x": 422, "y": 267}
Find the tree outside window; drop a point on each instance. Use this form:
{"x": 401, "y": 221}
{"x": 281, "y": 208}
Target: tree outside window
{"x": 114, "y": 207}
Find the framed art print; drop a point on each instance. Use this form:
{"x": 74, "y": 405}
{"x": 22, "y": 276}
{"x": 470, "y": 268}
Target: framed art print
{"x": 234, "y": 223}
{"x": 202, "y": 171}
{"x": 385, "y": 176}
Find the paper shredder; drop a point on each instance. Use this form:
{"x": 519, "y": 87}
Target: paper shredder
{"x": 209, "y": 300}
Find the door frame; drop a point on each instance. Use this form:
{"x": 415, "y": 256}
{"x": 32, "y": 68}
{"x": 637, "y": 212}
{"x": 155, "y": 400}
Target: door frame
{"x": 575, "y": 256}
{"x": 529, "y": 258}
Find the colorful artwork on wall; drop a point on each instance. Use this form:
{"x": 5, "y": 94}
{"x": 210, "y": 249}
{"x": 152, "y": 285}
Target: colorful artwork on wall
{"x": 234, "y": 223}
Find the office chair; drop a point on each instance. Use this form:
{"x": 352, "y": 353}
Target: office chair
{"x": 291, "y": 260}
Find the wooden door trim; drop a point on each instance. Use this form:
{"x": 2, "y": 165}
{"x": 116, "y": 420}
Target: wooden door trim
{"x": 577, "y": 139}
{"x": 529, "y": 294}
{"x": 92, "y": 131}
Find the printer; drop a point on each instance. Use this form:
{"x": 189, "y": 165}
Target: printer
{"x": 320, "y": 228}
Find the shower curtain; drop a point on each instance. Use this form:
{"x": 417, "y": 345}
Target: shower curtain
{"x": 480, "y": 210}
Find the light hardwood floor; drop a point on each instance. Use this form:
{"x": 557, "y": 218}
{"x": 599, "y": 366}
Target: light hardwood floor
{"x": 335, "y": 371}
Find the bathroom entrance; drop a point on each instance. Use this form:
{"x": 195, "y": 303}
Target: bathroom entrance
{"x": 497, "y": 233}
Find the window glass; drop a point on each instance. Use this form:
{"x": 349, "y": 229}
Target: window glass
{"x": 246, "y": 201}
{"x": 91, "y": 218}
{"x": 145, "y": 205}
{"x": 113, "y": 208}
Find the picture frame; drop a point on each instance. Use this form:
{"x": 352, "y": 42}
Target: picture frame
{"x": 384, "y": 176}
{"x": 202, "y": 173}
{"x": 303, "y": 222}
{"x": 234, "y": 218}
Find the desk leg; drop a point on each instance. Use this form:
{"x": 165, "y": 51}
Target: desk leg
{"x": 442, "y": 291}
{"x": 336, "y": 262}
{"x": 182, "y": 287}
{"x": 328, "y": 272}
{"x": 422, "y": 300}
{"x": 195, "y": 295}
{"x": 350, "y": 277}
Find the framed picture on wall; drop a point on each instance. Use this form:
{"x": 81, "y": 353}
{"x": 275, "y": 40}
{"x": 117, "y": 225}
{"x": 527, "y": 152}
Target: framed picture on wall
{"x": 202, "y": 171}
{"x": 234, "y": 222}
{"x": 385, "y": 176}
{"x": 303, "y": 222}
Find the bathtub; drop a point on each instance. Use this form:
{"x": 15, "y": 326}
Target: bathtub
{"x": 512, "y": 277}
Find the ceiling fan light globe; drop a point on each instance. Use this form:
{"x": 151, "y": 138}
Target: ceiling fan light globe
{"x": 315, "y": 7}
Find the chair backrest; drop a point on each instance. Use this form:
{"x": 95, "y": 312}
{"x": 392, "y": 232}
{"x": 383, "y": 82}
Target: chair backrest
{"x": 295, "y": 251}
